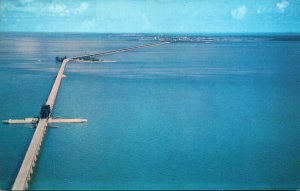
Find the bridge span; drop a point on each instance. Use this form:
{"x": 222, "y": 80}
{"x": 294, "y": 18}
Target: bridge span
{"x": 24, "y": 175}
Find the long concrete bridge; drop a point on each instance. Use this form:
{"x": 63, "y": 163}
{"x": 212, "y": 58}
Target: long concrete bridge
{"x": 23, "y": 177}
{"x": 121, "y": 50}
{"x": 31, "y": 156}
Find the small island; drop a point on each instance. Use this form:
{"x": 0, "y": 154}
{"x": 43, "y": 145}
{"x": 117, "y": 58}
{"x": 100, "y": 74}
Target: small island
{"x": 83, "y": 59}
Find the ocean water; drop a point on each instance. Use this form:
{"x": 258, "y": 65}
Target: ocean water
{"x": 199, "y": 113}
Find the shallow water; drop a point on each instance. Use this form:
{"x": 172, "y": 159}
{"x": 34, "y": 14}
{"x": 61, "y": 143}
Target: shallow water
{"x": 215, "y": 115}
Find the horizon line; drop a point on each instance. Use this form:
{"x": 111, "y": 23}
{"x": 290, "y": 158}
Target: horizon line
{"x": 159, "y": 33}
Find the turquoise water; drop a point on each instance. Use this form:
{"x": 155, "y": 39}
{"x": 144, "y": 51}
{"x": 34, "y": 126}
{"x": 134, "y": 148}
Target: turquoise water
{"x": 215, "y": 114}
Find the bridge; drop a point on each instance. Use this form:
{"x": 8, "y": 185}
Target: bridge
{"x": 24, "y": 175}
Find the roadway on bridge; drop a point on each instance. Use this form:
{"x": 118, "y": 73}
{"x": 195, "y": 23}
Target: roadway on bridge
{"x": 26, "y": 169}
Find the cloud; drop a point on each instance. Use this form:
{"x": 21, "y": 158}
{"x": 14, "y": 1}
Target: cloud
{"x": 26, "y": 1}
{"x": 35, "y": 7}
{"x": 239, "y": 13}
{"x": 281, "y": 6}
{"x": 58, "y": 9}
{"x": 83, "y": 7}
{"x": 62, "y": 10}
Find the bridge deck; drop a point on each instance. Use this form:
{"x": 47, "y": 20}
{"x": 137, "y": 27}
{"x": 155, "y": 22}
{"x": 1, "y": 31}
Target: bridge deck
{"x": 21, "y": 182}
{"x": 23, "y": 177}
{"x": 26, "y": 169}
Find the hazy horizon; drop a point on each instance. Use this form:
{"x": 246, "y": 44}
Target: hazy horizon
{"x": 166, "y": 33}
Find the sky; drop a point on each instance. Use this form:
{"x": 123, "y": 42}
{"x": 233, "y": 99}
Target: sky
{"x": 150, "y": 16}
